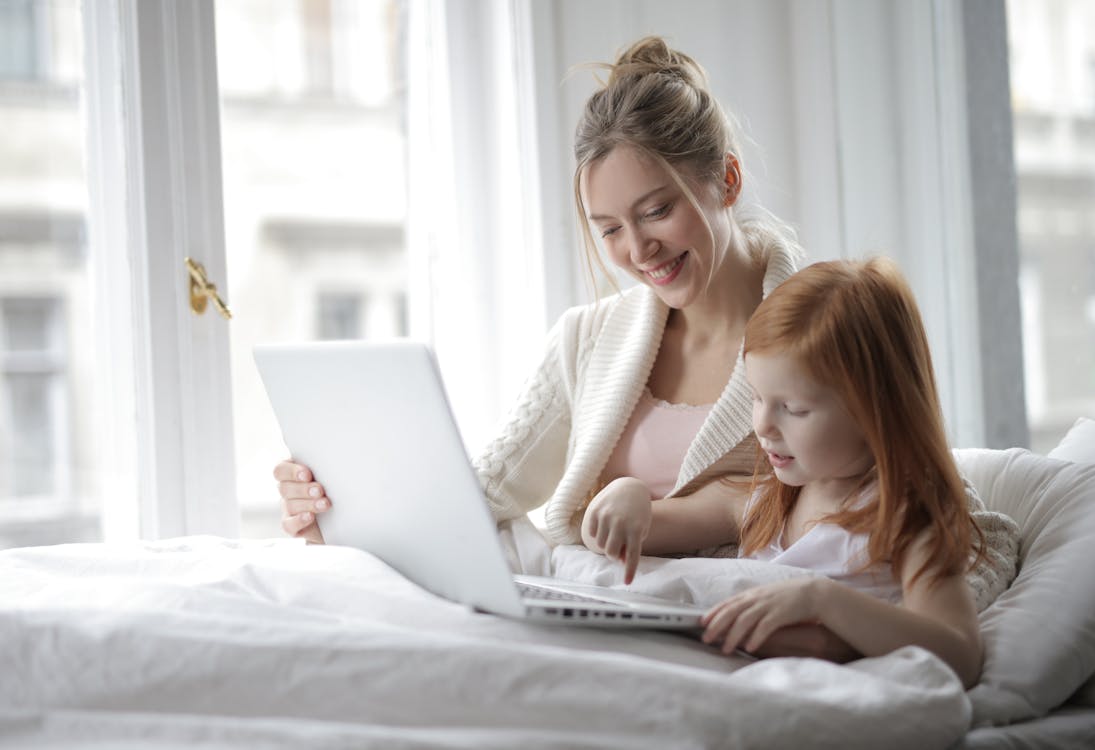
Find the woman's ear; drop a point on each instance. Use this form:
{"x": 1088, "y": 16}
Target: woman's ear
{"x": 732, "y": 180}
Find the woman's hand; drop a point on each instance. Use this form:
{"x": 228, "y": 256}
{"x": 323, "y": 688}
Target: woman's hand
{"x": 617, "y": 521}
{"x": 301, "y": 500}
{"x": 748, "y": 619}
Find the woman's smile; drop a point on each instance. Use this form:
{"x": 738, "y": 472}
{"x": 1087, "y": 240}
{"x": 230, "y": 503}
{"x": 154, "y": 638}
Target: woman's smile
{"x": 667, "y": 272}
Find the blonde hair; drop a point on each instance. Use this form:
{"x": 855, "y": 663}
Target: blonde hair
{"x": 854, "y": 326}
{"x": 656, "y": 100}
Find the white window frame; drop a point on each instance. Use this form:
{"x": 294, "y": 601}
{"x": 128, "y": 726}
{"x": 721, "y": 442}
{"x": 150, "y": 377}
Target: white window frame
{"x": 155, "y": 198}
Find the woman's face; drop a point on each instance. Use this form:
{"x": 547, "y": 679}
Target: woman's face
{"x": 650, "y": 229}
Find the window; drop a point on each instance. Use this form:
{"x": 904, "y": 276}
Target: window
{"x": 309, "y": 199}
{"x": 1054, "y": 130}
{"x": 50, "y": 468}
{"x": 339, "y": 316}
{"x": 42, "y": 492}
{"x": 35, "y": 398}
{"x": 313, "y": 150}
{"x": 20, "y": 39}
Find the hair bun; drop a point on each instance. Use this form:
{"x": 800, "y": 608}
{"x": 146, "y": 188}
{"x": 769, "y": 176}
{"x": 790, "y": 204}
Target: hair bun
{"x": 651, "y": 55}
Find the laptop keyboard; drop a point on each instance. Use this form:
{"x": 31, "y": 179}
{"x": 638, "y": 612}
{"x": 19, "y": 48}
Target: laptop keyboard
{"x": 538, "y": 592}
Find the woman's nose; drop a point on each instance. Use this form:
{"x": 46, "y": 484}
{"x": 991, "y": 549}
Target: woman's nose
{"x": 643, "y": 248}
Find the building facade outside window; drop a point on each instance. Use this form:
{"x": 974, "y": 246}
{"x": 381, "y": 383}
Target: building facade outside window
{"x": 1052, "y": 53}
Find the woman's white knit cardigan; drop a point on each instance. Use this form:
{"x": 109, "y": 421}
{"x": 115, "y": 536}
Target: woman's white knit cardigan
{"x": 558, "y": 438}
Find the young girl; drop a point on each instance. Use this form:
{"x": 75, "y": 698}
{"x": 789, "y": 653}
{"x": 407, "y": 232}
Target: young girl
{"x": 859, "y": 482}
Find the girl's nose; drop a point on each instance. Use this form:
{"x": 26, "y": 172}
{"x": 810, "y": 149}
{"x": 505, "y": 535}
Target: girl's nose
{"x": 763, "y": 424}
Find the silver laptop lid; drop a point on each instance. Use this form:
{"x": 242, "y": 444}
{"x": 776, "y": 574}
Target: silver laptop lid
{"x": 372, "y": 421}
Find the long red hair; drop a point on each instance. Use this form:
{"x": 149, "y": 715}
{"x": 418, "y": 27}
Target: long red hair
{"x": 854, "y": 326}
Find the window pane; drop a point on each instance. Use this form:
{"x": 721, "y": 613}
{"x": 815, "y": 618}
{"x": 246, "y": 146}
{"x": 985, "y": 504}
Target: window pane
{"x": 33, "y": 452}
{"x": 49, "y": 485}
{"x": 339, "y": 316}
{"x": 313, "y": 152}
{"x": 1052, "y": 53}
{"x": 18, "y": 39}
{"x": 27, "y": 325}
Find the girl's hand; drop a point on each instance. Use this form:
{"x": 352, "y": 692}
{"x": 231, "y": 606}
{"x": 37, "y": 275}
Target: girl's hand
{"x": 617, "y": 521}
{"x": 301, "y": 500}
{"x": 748, "y": 619}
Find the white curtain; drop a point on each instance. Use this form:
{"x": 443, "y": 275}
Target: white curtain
{"x": 477, "y": 282}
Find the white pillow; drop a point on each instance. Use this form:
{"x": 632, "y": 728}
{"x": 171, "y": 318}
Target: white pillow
{"x": 1039, "y": 634}
{"x": 1079, "y": 444}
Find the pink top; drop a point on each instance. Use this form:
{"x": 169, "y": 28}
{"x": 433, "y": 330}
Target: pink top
{"x": 836, "y": 553}
{"x": 653, "y": 446}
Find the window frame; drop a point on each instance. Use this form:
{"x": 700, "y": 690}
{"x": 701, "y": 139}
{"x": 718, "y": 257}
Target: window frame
{"x": 155, "y": 199}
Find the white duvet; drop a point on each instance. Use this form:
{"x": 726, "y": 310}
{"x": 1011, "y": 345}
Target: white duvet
{"x": 206, "y": 642}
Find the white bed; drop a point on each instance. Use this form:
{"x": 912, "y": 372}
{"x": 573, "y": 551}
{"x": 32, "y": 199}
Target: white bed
{"x": 206, "y": 642}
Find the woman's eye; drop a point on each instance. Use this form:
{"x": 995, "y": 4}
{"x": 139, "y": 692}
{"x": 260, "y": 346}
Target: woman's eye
{"x": 658, "y": 212}
{"x": 796, "y": 411}
{"x": 609, "y": 231}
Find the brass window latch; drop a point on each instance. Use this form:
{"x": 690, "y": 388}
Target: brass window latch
{"x": 201, "y": 291}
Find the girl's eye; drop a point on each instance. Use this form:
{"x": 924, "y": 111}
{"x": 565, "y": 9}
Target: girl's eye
{"x": 796, "y": 411}
{"x": 609, "y": 231}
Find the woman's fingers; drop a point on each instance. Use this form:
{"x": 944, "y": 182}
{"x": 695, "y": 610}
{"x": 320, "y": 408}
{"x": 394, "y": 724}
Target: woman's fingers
{"x": 307, "y": 505}
{"x": 290, "y": 471}
{"x": 301, "y": 490}
{"x": 296, "y": 525}
{"x": 632, "y": 551}
{"x": 293, "y": 524}
{"x": 614, "y": 542}
{"x": 304, "y": 526}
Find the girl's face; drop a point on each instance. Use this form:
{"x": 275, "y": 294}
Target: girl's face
{"x": 802, "y": 425}
{"x": 650, "y": 229}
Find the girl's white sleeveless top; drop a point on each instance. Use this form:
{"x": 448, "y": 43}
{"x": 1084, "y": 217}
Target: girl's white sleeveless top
{"x": 836, "y": 553}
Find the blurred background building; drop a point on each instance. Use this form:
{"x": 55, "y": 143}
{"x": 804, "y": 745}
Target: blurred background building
{"x": 1052, "y": 52}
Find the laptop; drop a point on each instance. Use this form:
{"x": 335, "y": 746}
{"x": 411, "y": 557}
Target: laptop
{"x": 373, "y": 422}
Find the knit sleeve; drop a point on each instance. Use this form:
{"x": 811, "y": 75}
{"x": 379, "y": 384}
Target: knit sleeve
{"x": 997, "y": 567}
{"x": 520, "y": 468}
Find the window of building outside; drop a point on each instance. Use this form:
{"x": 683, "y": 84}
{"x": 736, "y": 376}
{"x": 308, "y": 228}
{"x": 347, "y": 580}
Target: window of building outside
{"x": 35, "y": 394}
{"x": 312, "y": 134}
{"x": 339, "y": 316}
{"x": 1052, "y": 53}
{"x": 21, "y": 39}
{"x": 50, "y": 491}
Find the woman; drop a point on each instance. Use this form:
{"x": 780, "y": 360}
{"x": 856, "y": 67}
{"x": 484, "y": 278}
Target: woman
{"x": 642, "y": 392}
